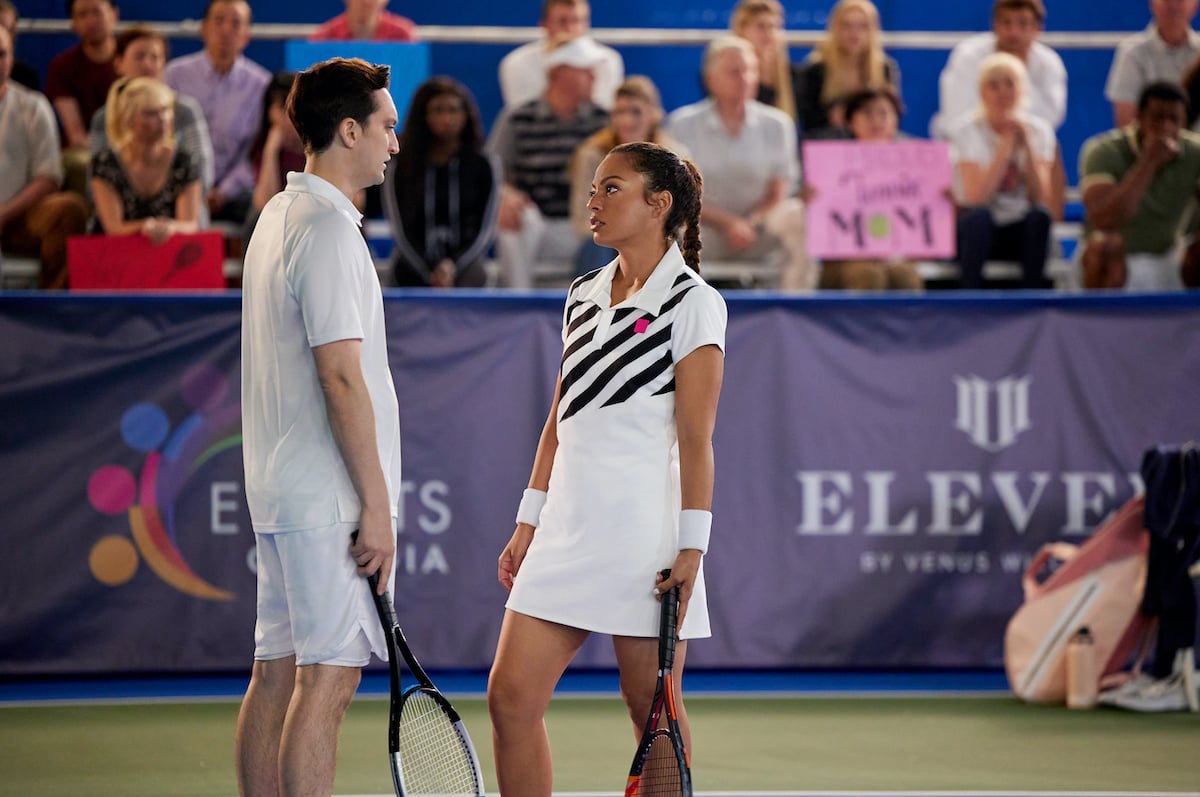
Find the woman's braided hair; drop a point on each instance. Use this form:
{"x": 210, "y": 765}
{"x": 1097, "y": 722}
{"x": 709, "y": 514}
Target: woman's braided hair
{"x": 663, "y": 170}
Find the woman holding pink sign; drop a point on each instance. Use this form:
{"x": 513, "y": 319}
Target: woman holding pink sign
{"x": 1003, "y": 158}
{"x": 872, "y": 116}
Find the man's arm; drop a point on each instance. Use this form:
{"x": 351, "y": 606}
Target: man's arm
{"x": 1124, "y": 113}
{"x": 26, "y": 198}
{"x": 1108, "y": 205}
{"x": 958, "y": 92}
{"x": 352, "y": 421}
{"x": 71, "y": 116}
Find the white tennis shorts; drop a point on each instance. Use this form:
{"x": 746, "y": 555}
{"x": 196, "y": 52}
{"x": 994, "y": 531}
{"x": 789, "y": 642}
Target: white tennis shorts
{"x": 312, "y": 603}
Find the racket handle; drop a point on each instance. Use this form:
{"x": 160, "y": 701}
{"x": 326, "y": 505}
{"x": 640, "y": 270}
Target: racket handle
{"x": 372, "y": 579}
{"x": 667, "y": 622}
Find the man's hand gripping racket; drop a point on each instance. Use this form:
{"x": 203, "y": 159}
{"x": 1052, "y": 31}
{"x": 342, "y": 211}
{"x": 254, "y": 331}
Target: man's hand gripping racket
{"x": 430, "y": 750}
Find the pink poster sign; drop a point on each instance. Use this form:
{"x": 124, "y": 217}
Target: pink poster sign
{"x": 879, "y": 200}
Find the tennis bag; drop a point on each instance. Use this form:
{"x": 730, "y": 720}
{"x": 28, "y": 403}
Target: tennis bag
{"x": 1099, "y": 585}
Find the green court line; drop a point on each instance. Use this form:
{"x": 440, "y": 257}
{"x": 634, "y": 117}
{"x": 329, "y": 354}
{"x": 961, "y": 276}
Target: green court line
{"x": 740, "y": 745}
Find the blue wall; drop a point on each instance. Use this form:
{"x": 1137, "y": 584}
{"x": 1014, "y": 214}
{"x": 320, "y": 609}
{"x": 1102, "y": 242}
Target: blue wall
{"x": 675, "y": 68}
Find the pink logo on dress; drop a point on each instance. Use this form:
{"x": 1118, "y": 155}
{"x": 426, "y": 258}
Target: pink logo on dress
{"x": 641, "y": 325}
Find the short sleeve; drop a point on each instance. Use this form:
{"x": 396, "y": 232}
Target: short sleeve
{"x": 106, "y": 167}
{"x": 1046, "y": 142}
{"x": 501, "y": 143}
{"x": 700, "y": 322}
{"x": 45, "y": 156}
{"x": 58, "y": 77}
{"x": 1099, "y": 163}
{"x": 1123, "y": 79}
{"x": 186, "y": 168}
{"x": 967, "y": 145}
{"x": 327, "y": 292}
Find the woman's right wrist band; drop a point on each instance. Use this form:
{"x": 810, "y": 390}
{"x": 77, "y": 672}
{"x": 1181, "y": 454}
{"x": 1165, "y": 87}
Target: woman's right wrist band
{"x": 530, "y": 510}
{"x": 694, "y": 527}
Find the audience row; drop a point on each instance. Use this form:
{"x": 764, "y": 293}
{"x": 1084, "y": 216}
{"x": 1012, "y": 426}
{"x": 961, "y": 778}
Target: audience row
{"x": 158, "y": 147}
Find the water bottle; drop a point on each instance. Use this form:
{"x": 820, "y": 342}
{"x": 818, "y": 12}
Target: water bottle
{"x": 1082, "y": 680}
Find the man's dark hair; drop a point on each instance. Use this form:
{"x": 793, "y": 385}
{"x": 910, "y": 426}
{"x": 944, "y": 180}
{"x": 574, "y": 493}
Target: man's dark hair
{"x": 71, "y": 6}
{"x": 549, "y": 4}
{"x": 208, "y": 8}
{"x": 329, "y": 92}
{"x": 860, "y": 99}
{"x": 1162, "y": 90}
{"x": 130, "y": 35}
{"x": 1035, "y": 6}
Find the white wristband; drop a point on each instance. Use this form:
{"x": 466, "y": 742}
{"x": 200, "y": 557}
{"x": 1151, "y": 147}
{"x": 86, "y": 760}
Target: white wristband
{"x": 694, "y": 526}
{"x": 530, "y": 510}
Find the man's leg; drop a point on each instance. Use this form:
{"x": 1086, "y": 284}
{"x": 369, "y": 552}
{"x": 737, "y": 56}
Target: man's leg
{"x": 308, "y": 747}
{"x": 975, "y": 232}
{"x": 52, "y": 221}
{"x": 516, "y": 250}
{"x": 1035, "y": 242}
{"x": 1103, "y": 261}
{"x": 787, "y": 222}
{"x": 260, "y": 726}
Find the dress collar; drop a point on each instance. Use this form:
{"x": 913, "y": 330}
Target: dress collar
{"x": 650, "y": 296}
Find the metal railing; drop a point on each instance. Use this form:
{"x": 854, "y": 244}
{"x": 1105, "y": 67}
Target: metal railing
{"x": 491, "y": 34}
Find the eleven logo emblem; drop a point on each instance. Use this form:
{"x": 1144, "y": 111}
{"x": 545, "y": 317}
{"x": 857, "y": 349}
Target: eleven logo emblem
{"x": 992, "y": 414}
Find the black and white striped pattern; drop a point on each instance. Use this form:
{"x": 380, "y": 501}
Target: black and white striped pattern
{"x": 627, "y": 362}
{"x": 545, "y": 145}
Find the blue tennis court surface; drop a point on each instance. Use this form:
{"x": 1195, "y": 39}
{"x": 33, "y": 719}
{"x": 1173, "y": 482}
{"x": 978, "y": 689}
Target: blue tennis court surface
{"x": 474, "y": 683}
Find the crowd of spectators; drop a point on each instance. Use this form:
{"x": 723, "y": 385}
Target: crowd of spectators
{"x": 125, "y": 140}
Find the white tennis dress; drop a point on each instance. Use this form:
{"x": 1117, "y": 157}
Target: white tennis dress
{"x": 610, "y": 522}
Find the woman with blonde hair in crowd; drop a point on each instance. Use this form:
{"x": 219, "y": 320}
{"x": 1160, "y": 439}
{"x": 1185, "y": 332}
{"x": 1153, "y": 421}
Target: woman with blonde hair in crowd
{"x": 142, "y": 182}
{"x": 849, "y": 59}
{"x": 760, "y": 22}
{"x": 636, "y": 115}
{"x": 1002, "y": 158}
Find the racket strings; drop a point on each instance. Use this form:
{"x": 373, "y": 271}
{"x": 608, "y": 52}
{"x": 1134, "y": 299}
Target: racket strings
{"x": 433, "y": 758}
{"x": 660, "y": 773}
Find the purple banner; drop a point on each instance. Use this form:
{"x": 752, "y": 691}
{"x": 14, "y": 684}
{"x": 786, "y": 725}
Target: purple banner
{"x": 885, "y": 468}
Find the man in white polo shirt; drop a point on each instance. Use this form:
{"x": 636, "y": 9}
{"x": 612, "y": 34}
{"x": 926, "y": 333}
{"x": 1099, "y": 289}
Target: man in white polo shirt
{"x": 321, "y": 434}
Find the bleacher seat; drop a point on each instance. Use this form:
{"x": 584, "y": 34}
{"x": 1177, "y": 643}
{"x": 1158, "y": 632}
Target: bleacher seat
{"x": 19, "y": 273}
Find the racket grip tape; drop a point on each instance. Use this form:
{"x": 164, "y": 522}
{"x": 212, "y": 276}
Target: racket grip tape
{"x": 667, "y": 623}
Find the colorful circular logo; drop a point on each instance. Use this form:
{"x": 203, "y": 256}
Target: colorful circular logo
{"x": 172, "y": 457}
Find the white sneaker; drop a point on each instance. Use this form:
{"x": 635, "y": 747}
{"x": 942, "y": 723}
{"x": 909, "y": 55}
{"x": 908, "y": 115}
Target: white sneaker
{"x": 1169, "y": 694}
{"x": 1137, "y": 683}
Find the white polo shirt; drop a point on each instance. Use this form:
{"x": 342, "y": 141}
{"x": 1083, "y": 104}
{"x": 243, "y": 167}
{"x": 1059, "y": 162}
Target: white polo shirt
{"x": 1144, "y": 58}
{"x": 308, "y": 280}
{"x": 739, "y": 169}
{"x": 958, "y": 84}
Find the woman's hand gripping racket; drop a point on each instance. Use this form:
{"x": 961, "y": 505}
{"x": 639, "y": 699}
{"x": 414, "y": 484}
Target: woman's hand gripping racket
{"x": 430, "y": 750}
{"x": 660, "y": 766}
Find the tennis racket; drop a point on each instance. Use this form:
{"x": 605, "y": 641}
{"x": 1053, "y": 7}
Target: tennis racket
{"x": 661, "y": 767}
{"x": 430, "y": 751}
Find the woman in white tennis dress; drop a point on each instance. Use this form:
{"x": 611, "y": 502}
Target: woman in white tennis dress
{"x": 622, "y": 480}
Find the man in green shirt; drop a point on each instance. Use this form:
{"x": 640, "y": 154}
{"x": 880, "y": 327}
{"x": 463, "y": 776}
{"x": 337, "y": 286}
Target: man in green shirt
{"x": 1139, "y": 188}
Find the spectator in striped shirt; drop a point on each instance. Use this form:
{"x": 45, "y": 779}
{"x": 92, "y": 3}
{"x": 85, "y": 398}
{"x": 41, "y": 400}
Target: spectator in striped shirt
{"x": 534, "y": 142}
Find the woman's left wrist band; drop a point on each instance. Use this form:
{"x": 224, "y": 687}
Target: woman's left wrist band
{"x": 530, "y": 510}
{"x": 694, "y": 528}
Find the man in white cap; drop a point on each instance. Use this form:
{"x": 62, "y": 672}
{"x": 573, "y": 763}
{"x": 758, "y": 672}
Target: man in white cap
{"x": 523, "y": 71}
{"x": 535, "y": 142}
